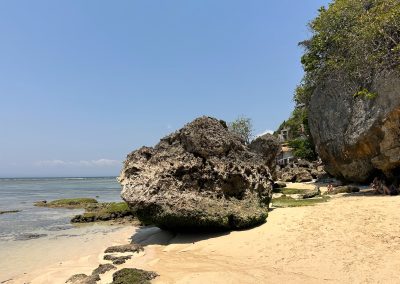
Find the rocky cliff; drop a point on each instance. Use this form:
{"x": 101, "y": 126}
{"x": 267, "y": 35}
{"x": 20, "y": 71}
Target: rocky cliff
{"x": 200, "y": 177}
{"x": 357, "y": 137}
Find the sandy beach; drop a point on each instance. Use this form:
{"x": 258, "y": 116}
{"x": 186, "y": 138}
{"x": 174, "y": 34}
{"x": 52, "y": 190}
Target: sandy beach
{"x": 350, "y": 239}
{"x": 347, "y": 240}
{"x": 54, "y": 259}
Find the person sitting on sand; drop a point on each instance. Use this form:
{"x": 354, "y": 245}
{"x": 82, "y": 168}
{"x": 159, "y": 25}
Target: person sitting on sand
{"x": 380, "y": 187}
{"x": 393, "y": 190}
{"x": 330, "y": 188}
{"x": 376, "y": 185}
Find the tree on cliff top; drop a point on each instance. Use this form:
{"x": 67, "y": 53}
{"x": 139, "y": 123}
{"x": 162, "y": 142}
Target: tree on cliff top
{"x": 243, "y": 127}
{"x": 353, "y": 38}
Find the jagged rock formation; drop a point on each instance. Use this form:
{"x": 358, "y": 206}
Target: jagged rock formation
{"x": 200, "y": 177}
{"x": 300, "y": 171}
{"x": 267, "y": 146}
{"x": 357, "y": 137}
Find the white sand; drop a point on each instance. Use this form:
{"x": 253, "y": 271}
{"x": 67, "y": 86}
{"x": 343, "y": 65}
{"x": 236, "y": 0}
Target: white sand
{"x": 346, "y": 240}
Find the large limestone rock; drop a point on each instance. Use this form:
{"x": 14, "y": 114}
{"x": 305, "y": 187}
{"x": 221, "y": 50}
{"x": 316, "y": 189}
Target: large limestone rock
{"x": 200, "y": 177}
{"x": 267, "y": 146}
{"x": 357, "y": 137}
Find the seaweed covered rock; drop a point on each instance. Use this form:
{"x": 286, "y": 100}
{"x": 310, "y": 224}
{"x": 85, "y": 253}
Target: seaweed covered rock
{"x": 200, "y": 177}
{"x": 133, "y": 276}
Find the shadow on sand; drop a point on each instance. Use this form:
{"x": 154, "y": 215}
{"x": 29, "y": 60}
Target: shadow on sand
{"x": 366, "y": 192}
{"x": 151, "y": 235}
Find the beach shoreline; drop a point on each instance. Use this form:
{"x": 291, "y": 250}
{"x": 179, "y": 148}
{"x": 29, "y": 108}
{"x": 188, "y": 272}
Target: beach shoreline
{"x": 352, "y": 239}
{"x": 54, "y": 259}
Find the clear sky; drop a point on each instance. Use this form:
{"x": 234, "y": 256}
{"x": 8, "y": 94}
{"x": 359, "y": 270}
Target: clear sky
{"x": 83, "y": 83}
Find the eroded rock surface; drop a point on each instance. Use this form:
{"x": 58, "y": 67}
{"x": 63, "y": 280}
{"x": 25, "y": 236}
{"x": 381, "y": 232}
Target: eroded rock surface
{"x": 300, "y": 171}
{"x": 200, "y": 177}
{"x": 268, "y": 147}
{"x": 358, "y": 137}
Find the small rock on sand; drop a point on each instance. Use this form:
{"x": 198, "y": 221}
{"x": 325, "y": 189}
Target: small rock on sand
{"x": 133, "y": 275}
{"x": 103, "y": 268}
{"x": 117, "y": 260}
{"x": 124, "y": 248}
{"x": 83, "y": 279}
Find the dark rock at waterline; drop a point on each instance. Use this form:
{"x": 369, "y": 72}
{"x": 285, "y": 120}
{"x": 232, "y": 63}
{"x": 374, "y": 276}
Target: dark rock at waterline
{"x": 357, "y": 137}
{"x": 9, "y": 211}
{"x": 200, "y": 177}
{"x": 133, "y": 275}
{"x": 29, "y": 236}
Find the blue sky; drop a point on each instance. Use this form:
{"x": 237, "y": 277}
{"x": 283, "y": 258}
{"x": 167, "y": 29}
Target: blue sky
{"x": 83, "y": 83}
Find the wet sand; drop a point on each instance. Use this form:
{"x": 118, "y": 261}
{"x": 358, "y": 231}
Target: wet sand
{"x": 55, "y": 258}
{"x": 350, "y": 239}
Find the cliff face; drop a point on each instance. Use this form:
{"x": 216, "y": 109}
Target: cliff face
{"x": 357, "y": 137}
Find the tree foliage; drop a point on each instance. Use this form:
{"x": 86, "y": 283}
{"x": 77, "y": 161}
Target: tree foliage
{"x": 352, "y": 41}
{"x": 242, "y": 127}
{"x": 353, "y": 38}
{"x": 298, "y": 123}
{"x": 303, "y": 148}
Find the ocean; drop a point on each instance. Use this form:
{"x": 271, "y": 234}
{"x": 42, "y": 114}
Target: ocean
{"x": 21, "y": 193}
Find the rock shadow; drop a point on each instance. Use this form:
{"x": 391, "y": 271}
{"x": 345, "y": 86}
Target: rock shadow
{"x": 151, "y": 235}
{"x": 366, "y": 192}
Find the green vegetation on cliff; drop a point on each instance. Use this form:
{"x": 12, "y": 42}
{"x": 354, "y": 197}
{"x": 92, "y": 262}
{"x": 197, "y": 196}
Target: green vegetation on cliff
{"x": 300, "y": 137}
{"x": 351, "y": 38}
{"x": 352, "y": 42}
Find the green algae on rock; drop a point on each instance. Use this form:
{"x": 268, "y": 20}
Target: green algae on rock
{"x": 104, "y": 212}
{"x": 72, "y": 203}
{"x": 287, "y": 201}
{"x": 94, "y": 210}
{"x": 133, "y": 276}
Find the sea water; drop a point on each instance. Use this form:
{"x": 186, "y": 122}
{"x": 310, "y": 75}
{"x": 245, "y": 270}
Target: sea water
{"x": 21, "y": 193}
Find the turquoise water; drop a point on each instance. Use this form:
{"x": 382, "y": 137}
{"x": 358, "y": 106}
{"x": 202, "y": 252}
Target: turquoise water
{"x": 20, "y": 194}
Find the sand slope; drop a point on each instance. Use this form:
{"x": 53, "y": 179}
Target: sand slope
{"x": 347, "y": 240}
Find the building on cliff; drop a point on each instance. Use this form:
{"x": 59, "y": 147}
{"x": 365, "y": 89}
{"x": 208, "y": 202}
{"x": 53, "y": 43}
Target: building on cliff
{"x": 285, "y": 156}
